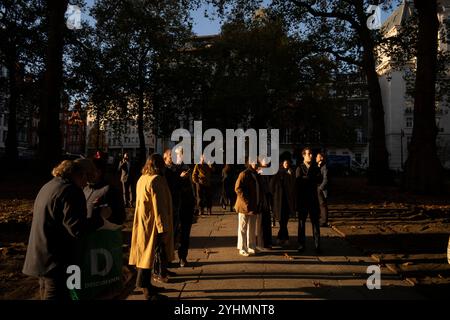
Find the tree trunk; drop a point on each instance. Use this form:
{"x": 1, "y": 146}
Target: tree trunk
{"x": 424, "y": 172}
{"x": 379, "y": 173}
{"x": 11, "y": 152}
{"x": 50, "y": 143}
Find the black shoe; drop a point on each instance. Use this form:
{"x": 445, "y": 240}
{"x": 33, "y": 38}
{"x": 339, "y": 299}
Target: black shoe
{"x": 171, "y": 273}
{"x": 301, "y": 248}
{"x": 155, "y": 297}
{"x": 150, "y": 293}
{"x": 160, "y": 279}
{"x": 183, "y": 263}
{"x": 154, "y": 289}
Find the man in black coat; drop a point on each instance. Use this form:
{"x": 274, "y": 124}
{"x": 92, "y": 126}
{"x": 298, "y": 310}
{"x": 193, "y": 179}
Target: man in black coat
{"x": 59, "y": 220}
{"x": 126, "y": 179}
{"x": 104, "y": 197}
{"x": 179, "y": 180}
{"x": 307, "y": 201}
{"x": 322, "y": 188}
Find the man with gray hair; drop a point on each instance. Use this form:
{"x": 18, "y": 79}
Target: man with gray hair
{"x": 59, "y": 221}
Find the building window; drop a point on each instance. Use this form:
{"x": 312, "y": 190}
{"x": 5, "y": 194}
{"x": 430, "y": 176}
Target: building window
{"x": 5, "y": 134}
{"x": 358, "y": 157}
{"x": 359, "y": 135}
{"x": 357, "y": 110}
{"x": 5, "y": 120}
{"x": 409, "y": 122}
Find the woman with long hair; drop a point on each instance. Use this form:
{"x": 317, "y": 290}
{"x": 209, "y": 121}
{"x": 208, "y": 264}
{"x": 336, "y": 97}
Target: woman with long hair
{"x": 152, "y": 224}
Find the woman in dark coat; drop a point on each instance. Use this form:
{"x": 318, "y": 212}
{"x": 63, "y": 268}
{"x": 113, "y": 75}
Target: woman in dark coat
{"x": 283, "y": 190}
{"x": 228, "y": 197}
{"x": 59, "y": 220}
{"x": 264, "y": 181}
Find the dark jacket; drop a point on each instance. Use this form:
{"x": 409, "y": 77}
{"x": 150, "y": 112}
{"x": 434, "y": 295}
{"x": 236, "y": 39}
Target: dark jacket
{"x": 187, "y": 197}
{"x": 306, "y": 182}
{"x": 247, "y": 189}
{"x": 59, "y": 219}
{"x": 202, "y": 174}
{"x": 103, "y": 194}
{"x": 282, "y": 186}
{"x": 228, "y": 183}
{"x": 323, "y": 177}
{"x": 125, "y": 171}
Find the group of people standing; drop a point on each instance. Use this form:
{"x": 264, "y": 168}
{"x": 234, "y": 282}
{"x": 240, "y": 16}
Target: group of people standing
{"x": 290, "y": 192}
{"x": 168, "y": 196}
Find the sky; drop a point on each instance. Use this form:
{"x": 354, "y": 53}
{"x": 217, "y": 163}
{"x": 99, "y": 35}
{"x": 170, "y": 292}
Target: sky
{"x": 207, "y": 26}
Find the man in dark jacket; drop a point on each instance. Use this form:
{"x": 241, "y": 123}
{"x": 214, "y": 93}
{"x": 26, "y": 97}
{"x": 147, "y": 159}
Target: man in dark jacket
{"x": 322, "y": 189}
{"x": 59, "y": 220}
{"x": 126, "y": 179}
{"x": 102, "y": 196}
{"x": 187, "y": 205}
{"x": 307, "y": 200}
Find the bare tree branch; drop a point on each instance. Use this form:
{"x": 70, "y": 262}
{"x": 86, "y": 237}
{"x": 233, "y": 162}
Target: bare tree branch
{"x": 324, "y": 14}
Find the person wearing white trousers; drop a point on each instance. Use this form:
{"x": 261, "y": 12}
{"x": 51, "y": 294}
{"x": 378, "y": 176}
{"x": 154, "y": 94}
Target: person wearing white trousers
{"x": 247, "y": 234}
{"x": 247, "y": 203}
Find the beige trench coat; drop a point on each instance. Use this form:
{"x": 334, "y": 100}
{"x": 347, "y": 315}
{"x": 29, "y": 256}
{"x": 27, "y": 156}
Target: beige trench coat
{"x": 153, "y": 215}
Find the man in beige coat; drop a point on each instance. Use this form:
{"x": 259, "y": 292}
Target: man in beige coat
{"x": 152, "y": 221}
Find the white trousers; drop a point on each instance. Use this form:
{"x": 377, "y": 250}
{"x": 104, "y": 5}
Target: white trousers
{"x": 246, "y": 232}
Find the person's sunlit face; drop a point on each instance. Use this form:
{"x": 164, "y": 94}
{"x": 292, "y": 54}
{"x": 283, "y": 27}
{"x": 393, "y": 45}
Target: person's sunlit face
{"x": 319, "y": 158}
{"x": 307, "y": 156}
{"x": 168, "y": 158}
{"x": 286, "y": 164}
{"x": 253, "y": 165}
{"x": 179, "y": 153}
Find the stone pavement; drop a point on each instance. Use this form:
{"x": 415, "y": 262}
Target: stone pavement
{"x": 217, "y": 271}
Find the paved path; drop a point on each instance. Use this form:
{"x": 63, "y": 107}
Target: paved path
{"x": 217, "y": 271}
